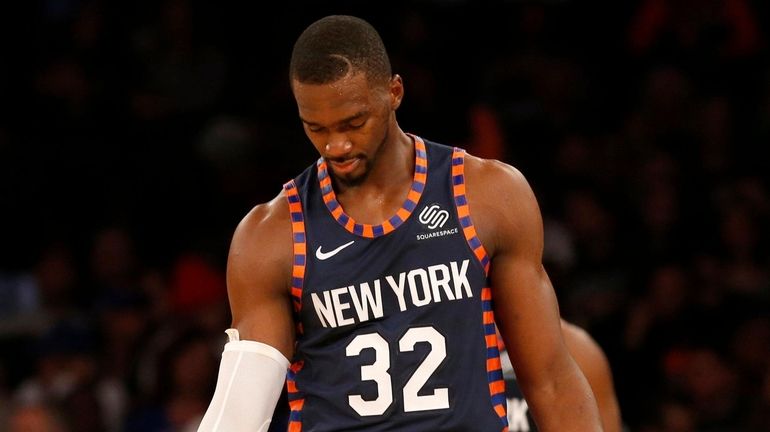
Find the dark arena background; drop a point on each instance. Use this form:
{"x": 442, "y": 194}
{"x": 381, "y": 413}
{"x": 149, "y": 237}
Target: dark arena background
{"x": 134, "y": 135}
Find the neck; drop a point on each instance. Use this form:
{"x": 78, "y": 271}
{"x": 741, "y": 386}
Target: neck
{"x": 385, "y": 188}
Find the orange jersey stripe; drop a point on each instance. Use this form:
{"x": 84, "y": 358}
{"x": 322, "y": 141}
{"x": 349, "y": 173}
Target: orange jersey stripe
{"x": 491, "y": 341}
{"x": 493, "y": 363}
{"x": 486, "y": 293}
{"x": 497, "y": 387}
{"x": 500, "y": 410}
{"x": 489, "y": 317}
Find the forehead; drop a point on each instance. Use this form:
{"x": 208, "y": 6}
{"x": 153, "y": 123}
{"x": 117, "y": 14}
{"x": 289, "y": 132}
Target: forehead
{"x": 326, "y": 103}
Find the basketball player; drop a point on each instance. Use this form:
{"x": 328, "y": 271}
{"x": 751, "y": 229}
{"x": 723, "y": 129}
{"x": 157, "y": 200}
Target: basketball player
{"x": 370, "y": 273}
{"x": 592, "y": 361}
{"x": 586, "y": 352}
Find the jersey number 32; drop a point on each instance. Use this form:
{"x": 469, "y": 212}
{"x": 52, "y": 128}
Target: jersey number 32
{"x": 378, "y": 372}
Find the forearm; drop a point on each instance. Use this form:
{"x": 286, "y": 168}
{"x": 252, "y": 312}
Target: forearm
{"x": 251, "y": 377}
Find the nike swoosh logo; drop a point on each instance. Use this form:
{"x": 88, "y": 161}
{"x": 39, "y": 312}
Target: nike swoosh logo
{"x": 326, "y": 255}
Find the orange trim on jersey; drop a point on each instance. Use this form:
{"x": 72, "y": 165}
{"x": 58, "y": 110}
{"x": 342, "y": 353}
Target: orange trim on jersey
{"x": 296, "y": 292}
{"x": 494, "y": 363}
{"x": 491, "y": 341}
{"x": 403, "y": 213}
{"x": 296, "y": 400}
{"x": 387, "y": 227}
{"x": 419, "y": 180}
{"x": 350, "y": 225}
{"x": 460, "y": 189}
{"x": 463, "y": 209}
{"x": 368, "y": 231}
{"x": 489, "y": 317}
{"x": 463, "y": 212}
{"x": 291, "y": 387}
{"x": 297, "y": 281}
{"x": 299, "y": 244}
{"x": 486, "y": 293}
{"x": 497, "y": 387}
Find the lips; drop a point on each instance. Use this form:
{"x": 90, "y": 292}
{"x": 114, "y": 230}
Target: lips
{"x": 345, "y": 166}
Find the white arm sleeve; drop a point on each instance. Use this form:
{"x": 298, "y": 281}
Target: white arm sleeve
{"x": 251, "y": 378}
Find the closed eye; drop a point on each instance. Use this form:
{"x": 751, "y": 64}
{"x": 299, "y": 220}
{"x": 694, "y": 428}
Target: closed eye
{"x": 355, "y": 124}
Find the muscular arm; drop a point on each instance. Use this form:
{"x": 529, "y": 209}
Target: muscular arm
{"x": 592, "y": 361}
{"x": 252, "y": 371}
{"x": 259, "y": 274}
{"x": 509, "y": 225}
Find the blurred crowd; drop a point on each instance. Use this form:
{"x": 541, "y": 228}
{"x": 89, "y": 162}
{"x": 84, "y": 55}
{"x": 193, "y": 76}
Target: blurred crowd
{"x": 135, "y": 135}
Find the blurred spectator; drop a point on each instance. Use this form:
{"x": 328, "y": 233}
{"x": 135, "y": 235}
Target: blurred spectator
{"x": 37, "y": 417}
{"x": 68, "y": 375}
{"x": 186, "y": 375}
{"x": 725, "y": 28}
{"x": 31, "y": 301}
{"x": 198, "y": 293}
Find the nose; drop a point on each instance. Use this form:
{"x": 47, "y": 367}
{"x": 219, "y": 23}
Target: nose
{"x": 338, "y": 146}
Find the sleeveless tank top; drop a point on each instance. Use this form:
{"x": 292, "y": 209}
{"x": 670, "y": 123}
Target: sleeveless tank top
{"x": 394, "y": 322}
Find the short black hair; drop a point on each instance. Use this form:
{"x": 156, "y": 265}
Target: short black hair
{"x": 336, "y": 45}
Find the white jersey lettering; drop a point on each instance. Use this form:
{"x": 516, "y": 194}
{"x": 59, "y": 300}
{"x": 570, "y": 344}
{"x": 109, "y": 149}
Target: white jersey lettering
{"x": 398, "y": 289}
{"x": 368, "y": 301}
{"x": 364, "y": 301}
{"x": 422, "y": 276}
{"x": 339, "y": 306}
{"x": 324, "y": 310}
{"x": 440, "y": 281}
{"x": 460, "y": 279}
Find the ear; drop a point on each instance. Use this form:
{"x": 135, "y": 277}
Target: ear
{"x": 396, "y": 91}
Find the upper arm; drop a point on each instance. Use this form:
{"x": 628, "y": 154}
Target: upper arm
{"x": 593, "y": 362}
{"x": 259, "y": 275}
{"x": 509, "y": 224}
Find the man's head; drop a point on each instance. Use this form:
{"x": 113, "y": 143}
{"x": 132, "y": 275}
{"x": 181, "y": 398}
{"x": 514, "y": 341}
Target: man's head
{"x": 346, "y": 94}
{"x": 335, "y": 46}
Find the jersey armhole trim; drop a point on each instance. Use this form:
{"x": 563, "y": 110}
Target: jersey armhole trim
{"x": 463, "y": 210}
{"x": 299, "y": 247}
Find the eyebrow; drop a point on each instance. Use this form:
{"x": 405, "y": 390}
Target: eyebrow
{"x": 343, "y": 121}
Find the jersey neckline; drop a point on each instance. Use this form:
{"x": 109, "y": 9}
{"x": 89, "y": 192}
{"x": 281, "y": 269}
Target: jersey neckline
{"x": 390, "y": 224}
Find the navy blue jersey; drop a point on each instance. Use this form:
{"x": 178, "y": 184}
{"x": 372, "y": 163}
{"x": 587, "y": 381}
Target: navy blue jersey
{"x": 395, "y": 329}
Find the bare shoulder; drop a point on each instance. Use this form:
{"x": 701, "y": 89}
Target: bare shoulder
{"x": 492, "y": 171}
{"x": 502, "y": 203}
{"x": 261, "y": 247}
{"x": 259, "y": 270}
{"x": 265, "y": 218}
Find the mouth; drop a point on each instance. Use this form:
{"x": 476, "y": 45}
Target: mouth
{"x": 345, "y": 166}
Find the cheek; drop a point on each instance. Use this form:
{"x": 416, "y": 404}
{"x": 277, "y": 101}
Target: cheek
{"x": 377, "y": 124}
{"x": 379, "y": 128}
